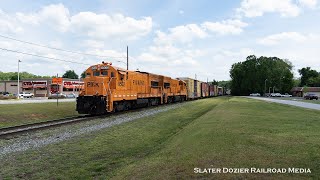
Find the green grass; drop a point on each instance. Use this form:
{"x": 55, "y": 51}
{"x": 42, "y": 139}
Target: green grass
{"x": 217, "y": 132}
{"x": 18, "y": 114}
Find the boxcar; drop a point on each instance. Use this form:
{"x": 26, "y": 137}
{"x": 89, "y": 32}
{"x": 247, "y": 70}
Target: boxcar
{"x": 191, "y": 87}
{"x": 211, "y": 90}
{"x": 204, "y": 89}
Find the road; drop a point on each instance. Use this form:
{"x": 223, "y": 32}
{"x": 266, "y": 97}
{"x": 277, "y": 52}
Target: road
{"x": 34, "y": 100}
{"x": 289, "y": 102}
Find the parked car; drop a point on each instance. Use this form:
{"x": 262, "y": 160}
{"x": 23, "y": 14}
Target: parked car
{"x": 4, "y": 93}
{"x": 57, "y": 96}
{"x": 275, "y": 95}
{"x": 286, "y": 95}
{"x": 71, "y": 95}
{"x": 311, "y": 96}
{"x": 26, "y": 95}
{"x": 255, "y": 94}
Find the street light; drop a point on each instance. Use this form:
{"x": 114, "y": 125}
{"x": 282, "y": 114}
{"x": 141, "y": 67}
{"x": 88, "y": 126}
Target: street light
{"x": 269, "y": 90}
{"x": 18, "y": 77}
{"x": 265, "y": 87}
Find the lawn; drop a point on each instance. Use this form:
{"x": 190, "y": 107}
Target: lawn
{"x": 18, "y": 114}
{"x": 216, "y": 132}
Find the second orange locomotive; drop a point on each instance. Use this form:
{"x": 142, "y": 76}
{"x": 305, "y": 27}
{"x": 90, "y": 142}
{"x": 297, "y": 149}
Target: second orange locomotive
{"x": 108, "y": 88}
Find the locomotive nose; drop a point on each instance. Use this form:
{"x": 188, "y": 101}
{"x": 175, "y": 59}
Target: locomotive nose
{"x": 96, "y": 86}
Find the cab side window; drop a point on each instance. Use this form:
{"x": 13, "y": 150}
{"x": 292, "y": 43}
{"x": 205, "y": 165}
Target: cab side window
{"x": 112, "y": 74}
{"x": 104, "y": 73}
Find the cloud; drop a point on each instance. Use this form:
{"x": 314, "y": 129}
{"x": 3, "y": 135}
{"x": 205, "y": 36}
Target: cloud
{"x": 225, "y": 27}
{"x": 102, "y": 26}
{"x": 8, "y": 24}
{"x": 284, "y": 36}
{"x": 181, "y": 34}
{"x": 308, "y": 3}
{"x": 190, "y": 32}
{"x": 55, "y": 16}
{"x": 90, "y": 24}
{"x": 254, "y": 8}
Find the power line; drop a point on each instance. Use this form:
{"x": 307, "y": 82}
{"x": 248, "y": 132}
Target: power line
{"x": 58, "y": 49}
{"x": 57, "y": 59}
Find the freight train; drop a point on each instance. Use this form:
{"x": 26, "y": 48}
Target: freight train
{"x": 108, "y": 89}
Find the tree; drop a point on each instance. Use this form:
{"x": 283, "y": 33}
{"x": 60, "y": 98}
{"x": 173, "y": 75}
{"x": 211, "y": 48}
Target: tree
{"x": 309, "y": 77}
{"x": 214, "y": 82}
{"x": 256, "y": 74}
{"x": 83, "y": 74}
{"x": 70, "y": 74}
{"x": 23, "y": 75}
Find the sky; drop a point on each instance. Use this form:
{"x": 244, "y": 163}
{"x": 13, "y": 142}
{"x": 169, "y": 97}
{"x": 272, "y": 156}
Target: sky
{"x": 177, "y": 38}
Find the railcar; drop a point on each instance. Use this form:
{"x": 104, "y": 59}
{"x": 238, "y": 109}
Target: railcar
{"x": 215, "y": 90}
{"x": 108, "y": 88}
{"x": 191, "y": 90}
{"x": 204, "y": 90}
{"x": 211, "y": 90}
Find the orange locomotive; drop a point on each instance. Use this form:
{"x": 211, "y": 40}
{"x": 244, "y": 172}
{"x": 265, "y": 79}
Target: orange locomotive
{"x": 108, "y": 88}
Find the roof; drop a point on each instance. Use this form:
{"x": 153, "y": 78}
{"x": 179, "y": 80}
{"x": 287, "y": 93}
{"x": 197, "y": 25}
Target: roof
{"x": 305, "y": 89}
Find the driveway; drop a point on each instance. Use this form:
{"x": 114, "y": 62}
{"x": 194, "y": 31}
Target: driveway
{"x": 289, "y": 102}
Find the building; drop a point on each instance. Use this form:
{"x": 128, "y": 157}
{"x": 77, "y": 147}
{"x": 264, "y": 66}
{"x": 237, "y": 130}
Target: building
{"x": 302, "y": 91}
{"x": 42, "y": 87}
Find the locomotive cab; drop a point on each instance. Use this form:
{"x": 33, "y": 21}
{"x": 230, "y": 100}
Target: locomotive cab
{"x": 99, "y": 82}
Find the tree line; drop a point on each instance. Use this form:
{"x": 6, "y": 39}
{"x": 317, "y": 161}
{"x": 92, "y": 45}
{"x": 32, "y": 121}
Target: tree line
{"x": 309, "y": 77}
{"x": 259, "y": 75}
{"x": 7, "y": 76}
{"x": 23, "y": 75}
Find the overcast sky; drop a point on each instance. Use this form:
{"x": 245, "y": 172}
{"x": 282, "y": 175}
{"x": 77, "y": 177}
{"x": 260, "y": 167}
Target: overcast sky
{"x": 170, "y": 37}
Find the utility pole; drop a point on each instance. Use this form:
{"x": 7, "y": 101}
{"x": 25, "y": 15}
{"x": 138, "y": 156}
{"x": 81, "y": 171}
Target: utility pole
{"x": 18, "y": 78}
{"x": 127, "y": 58}
{"x": 265, "y": 87}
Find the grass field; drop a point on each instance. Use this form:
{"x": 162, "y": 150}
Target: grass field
{"x": 18, "y": 114}
{"x": 216, "y": 132}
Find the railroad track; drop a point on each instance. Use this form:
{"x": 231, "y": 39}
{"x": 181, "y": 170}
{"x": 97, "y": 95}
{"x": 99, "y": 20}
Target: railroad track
{"x": 9, "y": 131}
{"x": 15, "y": 130}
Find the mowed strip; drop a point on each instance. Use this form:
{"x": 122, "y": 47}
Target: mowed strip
{"x": 215, "y": 132}
{"x": 238, "y": 133}
{"x": 19, "y": 114}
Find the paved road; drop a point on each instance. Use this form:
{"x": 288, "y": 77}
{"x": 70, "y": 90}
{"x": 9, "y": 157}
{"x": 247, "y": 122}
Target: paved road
{"x": 34, "y": 100}
{"x": 289, "y": 102}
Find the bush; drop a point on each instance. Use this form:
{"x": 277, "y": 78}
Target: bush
{"x": 7, "y": 97}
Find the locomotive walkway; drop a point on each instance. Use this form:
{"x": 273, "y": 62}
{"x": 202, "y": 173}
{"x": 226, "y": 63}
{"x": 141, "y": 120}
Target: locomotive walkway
{"x": 289, "y": 102}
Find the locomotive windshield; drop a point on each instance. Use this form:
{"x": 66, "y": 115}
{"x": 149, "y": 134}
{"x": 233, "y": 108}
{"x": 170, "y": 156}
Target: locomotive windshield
{"x": 96, "y": 73}
{"x": 104, "y": 73}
